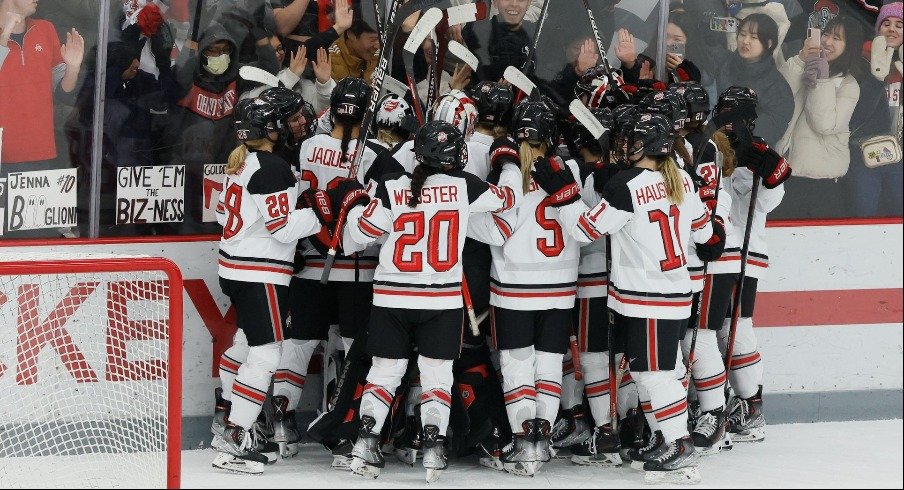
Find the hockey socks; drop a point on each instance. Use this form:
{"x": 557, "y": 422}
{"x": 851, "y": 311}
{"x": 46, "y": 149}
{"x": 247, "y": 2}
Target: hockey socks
{"x": 746, "y": 365}
{"x": 250, "y": 387}
{"x": 596, "y": 375}
{"x": 572, "y": 389}
{"x": 383, "y": 380}
{"x": 436, "y": 398}
{"x": 231, "y": 361}
{"x": 519, "y": 385}
{"x": 548, "y": 382}
{"x": 708, "y": 370}
{"x": 292, "y": 370}
{"x": 667, "y": 405}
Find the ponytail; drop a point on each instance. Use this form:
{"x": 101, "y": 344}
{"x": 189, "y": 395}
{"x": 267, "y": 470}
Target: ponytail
{"x": 528, "y": 154}
{"x": 346, "y": 139}
{"x": 729, "y": 159}
{"x": 674, "y": 184}
{"x": 388, "y": 137}
{"x": 682, "y": 152}
{"x": 418, "y": 177}
{"x": 240, "y": 153}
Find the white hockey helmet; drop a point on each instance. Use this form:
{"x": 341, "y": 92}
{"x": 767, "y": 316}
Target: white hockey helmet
{"x": 393, "y": 111}
{"x": 457, "y": 109}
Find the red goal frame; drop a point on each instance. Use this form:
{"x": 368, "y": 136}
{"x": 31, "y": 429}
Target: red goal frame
{"x": 174, "y": 375}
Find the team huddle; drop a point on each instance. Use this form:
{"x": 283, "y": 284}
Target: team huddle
{"x": 500, "y": 276}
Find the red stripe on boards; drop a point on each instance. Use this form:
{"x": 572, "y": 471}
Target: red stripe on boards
{"x": 841, "y": 307}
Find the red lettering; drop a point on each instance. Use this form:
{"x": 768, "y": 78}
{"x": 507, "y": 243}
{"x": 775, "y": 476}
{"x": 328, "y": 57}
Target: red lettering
{"x": 121, "y": 329}
{"x": 638, "y": 194}
{"x": 401, "y": 196}
{"x": 221, "y": 327}
{"x": 33, "y": 335}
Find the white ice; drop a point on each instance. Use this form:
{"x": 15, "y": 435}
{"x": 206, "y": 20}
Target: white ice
{"x": 838, "y": 455}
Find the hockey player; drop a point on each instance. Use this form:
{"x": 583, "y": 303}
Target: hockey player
{"x": 393, "y": 121}
{"x": 298, "y": 119}
{"x": 324, "y": 162}
{"x": 709, "y": 159}
{"x": 654, "y": 205}
{"x": 422, "y": 219}
{"x": 260, "y": 231}
{"x": 755, "y": 159}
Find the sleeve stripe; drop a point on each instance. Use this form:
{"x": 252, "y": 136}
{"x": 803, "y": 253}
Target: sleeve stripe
{"x": 276, "y": 224}
{"x": 587, "y": 228}
{"x": 503, "y": 226}
{"x": 701, "y": 221}
{"x": 221, "y": 208}
{"x": 369, "y": 229}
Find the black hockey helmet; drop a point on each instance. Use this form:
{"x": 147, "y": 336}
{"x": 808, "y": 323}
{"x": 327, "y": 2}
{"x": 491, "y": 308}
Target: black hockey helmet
{"x": 288, "y": 103}
{"x": 593, "y": 84}
{"x": 695, "y": 97}
{"x": 535, "y": 121}
{"x": 255, "y": 119}
{"x": 350, "y": 99}
{"x": 669, "y": 104}
{"x": 651, "y": 135}
{"x": 578, "y": 137}
{"x": 741, "y": 102}
{"x": 439, "y": 143}
{"x": 623, "y": 117}
{"x": 495, "y": 103}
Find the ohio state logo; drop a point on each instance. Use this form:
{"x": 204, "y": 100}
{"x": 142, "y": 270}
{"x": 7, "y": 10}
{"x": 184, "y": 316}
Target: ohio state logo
{"x": 442, "y": 137}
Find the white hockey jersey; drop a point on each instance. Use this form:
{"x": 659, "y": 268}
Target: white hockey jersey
{"x": 479, "y": 155}
{"x": 649, "y": 236}
{"x": 739, "y": 186}
{"x": 261, "y": 226}
{"x": 535, "y": 267}
{"x": 320, "y": 165}
{"x": 593, "y": 276}
{"x": 420, "y": 260}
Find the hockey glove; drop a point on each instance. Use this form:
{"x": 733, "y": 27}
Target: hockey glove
{"x": 707, "y": 194}
{"x": 602, "y": 173}
{"x": 556, "y": 180}
{"x": 713, "y": 248}
{"x": 503, "y": 151}
{"x": 320, "y": 202}
{"x": 766, "y": 163}
{"x": 348, "y": 193}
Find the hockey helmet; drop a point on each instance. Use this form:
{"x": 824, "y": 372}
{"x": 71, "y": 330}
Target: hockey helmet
{"x": 349, "y": 100}
{"x": 593, "y": 84}
{"x": 289, "y": 104}
{"x": 457, "y": 109}
{"x": 669, "y": 104}
{"x": 255, "y": 119}
{"x": 651, "y": 135}
{"x": 495, "y": 103}
{"x": 578, "y": 137}
{"x": 535, "y": 121}
{"x": 439, "y": 143}
{"x": 741, "y": 101}
{"x": 695, "y": 98}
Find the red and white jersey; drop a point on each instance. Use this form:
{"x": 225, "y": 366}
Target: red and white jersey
{"x": 478, "y": 158}
{"x": 537, "y": 266}
{"x": 593, "y": 276}
{"x": 479, "y": 155}
{"x": 649, "y": 237}
{"x": 709, "y": 170}
{"x": 420, "y": 259}
{"x": 261, "y": 226}
{"x": 739, "y": 186}
{"x": 320, "y": 166}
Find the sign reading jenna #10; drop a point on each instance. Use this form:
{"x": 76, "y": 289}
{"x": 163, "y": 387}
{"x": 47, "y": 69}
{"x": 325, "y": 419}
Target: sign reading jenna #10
{"x": 150, "y": 194}
{"x": 41, "y": 199}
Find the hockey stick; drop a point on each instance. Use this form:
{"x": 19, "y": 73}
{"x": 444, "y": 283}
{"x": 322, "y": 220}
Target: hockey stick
{"x": 255, "y": 74}
{"x": 422, "y": 29}
{"x": 575, "y": 354}
{"x": 378, "y": 16}
{"x": 397, "y": 14}
{"x": 597, "y": 38}
{"x": 440, "y": 40}
{"x": 469, "y": 306}
{"x": 459, "y": 51}
{"x": 519, "y": 80}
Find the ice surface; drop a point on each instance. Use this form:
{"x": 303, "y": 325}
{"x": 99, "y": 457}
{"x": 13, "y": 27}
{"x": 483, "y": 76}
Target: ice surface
{"x": 838, "y": 455}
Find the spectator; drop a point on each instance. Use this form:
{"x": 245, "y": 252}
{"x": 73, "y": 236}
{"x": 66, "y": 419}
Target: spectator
{"x": 354, "y": 54}
{"x": 317, "y": 91}
{"x": 752, "y": 66}
{"x": 502, "y": 41}
{"x": 775, "y": 11}
{"x": 825, "y": 95}
{"x": 681, "y": 30}
{"x": 581, "y": 54}
{"x": 300, "y": 22}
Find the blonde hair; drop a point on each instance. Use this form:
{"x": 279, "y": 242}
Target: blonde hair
{"x": 729, "y": 160}
{"x": 388, "y": 137}
{"x": 240, "y": 153}
{"x": 528, "y": 154}
{"x": 674, "y": 184}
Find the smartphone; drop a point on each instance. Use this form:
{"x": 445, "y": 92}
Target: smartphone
{"x": 675, "y": 48}
{"x": 723, "y": 24}
{"x": 815, "y": 36}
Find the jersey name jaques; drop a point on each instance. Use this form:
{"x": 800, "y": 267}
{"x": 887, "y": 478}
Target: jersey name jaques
{"x": 420, "y": 258}
{"x": 649, "y": 238}
{"x": 261, "y": 226}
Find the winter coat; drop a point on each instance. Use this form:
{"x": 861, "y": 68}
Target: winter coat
{"x": 776, "y": 101}
{"x": 774, "y": 10}
{"x": 346, "y": 64}
{"x": 816, "y": 143}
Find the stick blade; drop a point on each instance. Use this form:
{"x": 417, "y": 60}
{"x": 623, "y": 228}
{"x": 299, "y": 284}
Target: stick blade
{"x": 585, "y": 117}
{"x": 425, "y": 25}
{"x": 255, "y": 74}
{"x": 517, "y": 78}
{"x": 469, "y": 12}
{"x": 458, "y": 50}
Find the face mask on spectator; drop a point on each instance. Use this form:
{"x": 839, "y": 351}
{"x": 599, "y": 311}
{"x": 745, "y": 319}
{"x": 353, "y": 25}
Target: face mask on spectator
{"x": 217, "y": 65}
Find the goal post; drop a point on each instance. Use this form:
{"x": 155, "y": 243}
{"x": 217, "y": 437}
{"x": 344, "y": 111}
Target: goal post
{"x": 90, "y": 370}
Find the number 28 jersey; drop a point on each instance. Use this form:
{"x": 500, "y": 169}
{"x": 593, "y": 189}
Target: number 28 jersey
{"x": 420, "y": 260}
{"x": 649, "y": 239}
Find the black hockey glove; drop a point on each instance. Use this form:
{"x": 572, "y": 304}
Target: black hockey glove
{"x": 320, "y": 202}
{"x": 347, "y": 194}
{"x": 602, "y": 173}
{"x": 713, "y": 248}
{"x": 557, "y": 180}
{"x": 504, "y": 150}
{"x": 766, "y": 163}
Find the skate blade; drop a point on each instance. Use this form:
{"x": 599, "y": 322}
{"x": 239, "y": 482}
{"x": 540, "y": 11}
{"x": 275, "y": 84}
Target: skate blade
{"x": 492, "y": 463}
{"x": 433, "y": 475}
{"x": 288, "y": 449}
{"x": 756, "y": 434}
{"x": 561, "y": 453}
{"x": 361, "y": 468}
{"x": 610, "y": 460}
{"x": 341, "y": 463}
{"x": 272, "y": 456}
{"x": 683, "y": 476}
{"x": 217, "y": 442}
{"x": 407, "y": 455}
{"x": 637, "y": 465}
{"x": 233, "y": 464}
{"x": 522, "y": 468}
{"x": 727, "y": 443}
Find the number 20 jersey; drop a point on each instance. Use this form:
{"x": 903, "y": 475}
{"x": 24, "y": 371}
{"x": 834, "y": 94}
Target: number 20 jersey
{"x": 420, "y": 260}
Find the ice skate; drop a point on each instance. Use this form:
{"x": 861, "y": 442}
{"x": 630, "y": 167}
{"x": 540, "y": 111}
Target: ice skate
{"x": 676, "y": 463}
{"x": 631, "y": 432}
{"x": 570, "y": 430}
{"x": 641, "y": 455}
{"x": 408, "y": 445}
{"x": 710, "y": 433}
{"x": 520, "y": 456}
{"x": 435, "y": 460}
{"x": 746, "y": 421}
{"x": 367, "y": 460}
{"x": 263, "y": 443}
{"x": 602, "y": 448}
{"x": 220, "y": 418}
{"x": 237, "y": 453}
{"x": 285, "y": 429}
{"x": 342, "y": 455}
{"x": 543, "y": 440}
{"x": 491, "y": 449}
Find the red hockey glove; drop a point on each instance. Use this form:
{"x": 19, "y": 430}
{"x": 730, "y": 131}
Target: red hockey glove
{"x": 713, "y": 248}
{"x": 765, "y": 162}
{"x": 503, "y": 151}
{"x": 557, "y": 180}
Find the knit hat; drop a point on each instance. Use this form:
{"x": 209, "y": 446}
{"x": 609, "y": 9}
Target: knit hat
{"x": 890, "y": 9}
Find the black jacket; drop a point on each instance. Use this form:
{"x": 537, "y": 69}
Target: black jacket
{"x": 776, "y": 101}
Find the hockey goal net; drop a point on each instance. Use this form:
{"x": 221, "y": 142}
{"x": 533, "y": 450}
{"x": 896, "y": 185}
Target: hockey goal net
{"x": 90, "y": 371}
